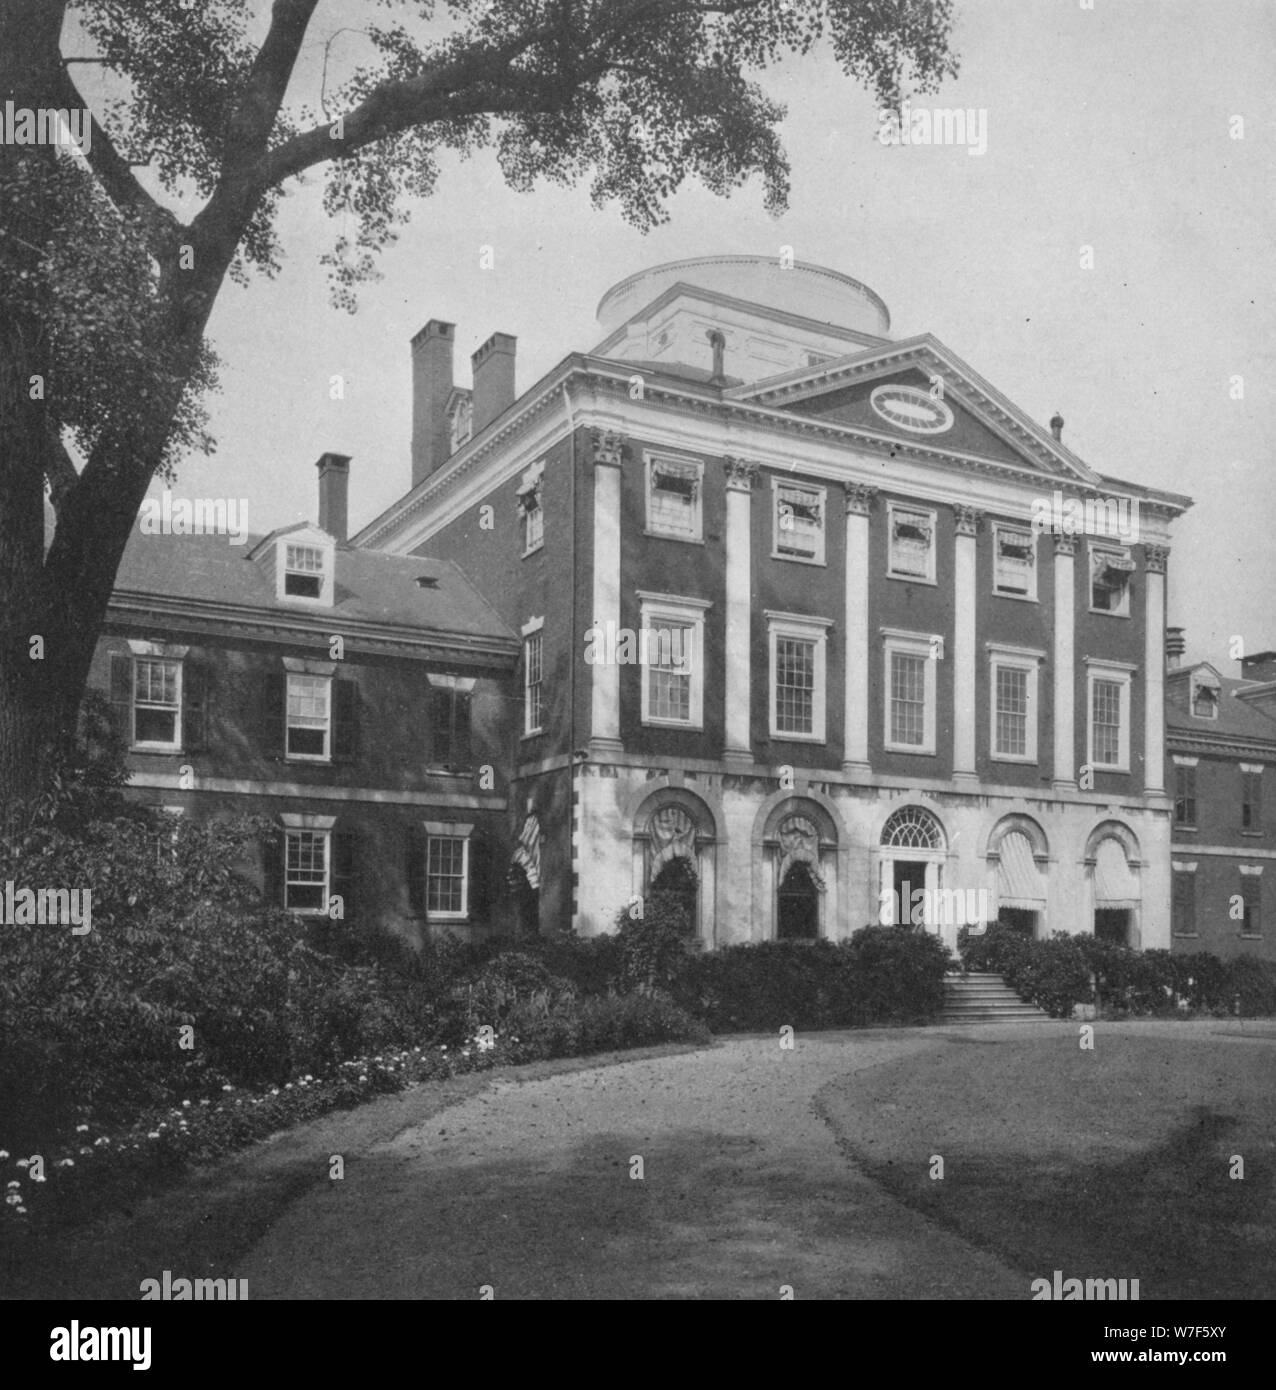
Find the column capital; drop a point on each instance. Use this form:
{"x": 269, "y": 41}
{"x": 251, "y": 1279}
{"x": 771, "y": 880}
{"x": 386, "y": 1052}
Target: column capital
{"x": 1065, "y": 545}
{"x": 741, "y": 473}
{"x": 859, "y": 498}
{"x": 1154, "y": 557}
{"x": 968, "y": 519}
{"x": 608, "y": 448}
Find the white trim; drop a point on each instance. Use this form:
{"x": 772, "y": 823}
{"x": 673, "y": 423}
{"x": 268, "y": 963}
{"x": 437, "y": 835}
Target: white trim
{"x": 651, "y": 459}
{"x": 665, "y": 610}
{"x": 910, "y": 644}
{"x": 231, "y": 786}
{"x": 177, "y": 708}
{"x": 326, "y": 755}
{"x": 1255, "y": 768}
{"x": 443, "y": 682}
{"x": 815, "y": 490}
{"x": 1006, "y": 649}
{"x": 1250, "y": 870}
{"x": 324, "y": 832}
{"x": 998, "y": 528}
{"x": 802, "y": 628}
{"x": 532, "y": 625}
{"x": 1029, "y": 664}
{"x": 306, "y": 540}
{"x": 305, "y": 820}
{"x": 1118, "y": 673}
{"x": 448, "y": 830}
{"x": 1108, "y": 664}
{"x": 917, "y": 510}
{"x": 1108, "y": 548}
{"x": 1182, "y": 866}
{"x": 1180, "y": 760}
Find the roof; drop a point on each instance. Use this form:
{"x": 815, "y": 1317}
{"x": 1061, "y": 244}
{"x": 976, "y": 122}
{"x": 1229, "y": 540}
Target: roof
{"x": 202, "y": 572}
{"x": 1237, "y": 719}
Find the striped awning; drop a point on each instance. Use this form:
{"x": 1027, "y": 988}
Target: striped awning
{"x": 1115, "y": 883}
{"x": 1019, "y": 882}
{"x": 527, "y": 853}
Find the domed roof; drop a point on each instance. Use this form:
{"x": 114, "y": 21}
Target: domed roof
{"x": 812, "y": 291}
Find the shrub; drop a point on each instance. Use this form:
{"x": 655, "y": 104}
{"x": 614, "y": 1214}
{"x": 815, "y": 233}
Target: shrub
{"x": 897, "y": 975}
{"x": 541, "y": 1027}
{"x": 654, "y": 947}
{"x": 765, "y": 985}
{"x": 491, "y": 992}
{"x": 593, "y": 963}
{"x": 1252, "y": 984}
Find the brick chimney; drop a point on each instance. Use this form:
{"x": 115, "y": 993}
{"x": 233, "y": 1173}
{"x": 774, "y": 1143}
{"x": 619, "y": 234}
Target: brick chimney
{"x": 334, "y": 484}
{"x": 493, "y": 366}
{"x": 431, "y": 387}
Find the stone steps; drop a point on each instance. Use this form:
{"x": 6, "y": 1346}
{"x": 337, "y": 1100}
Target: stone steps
{"x": 985, "y": 998}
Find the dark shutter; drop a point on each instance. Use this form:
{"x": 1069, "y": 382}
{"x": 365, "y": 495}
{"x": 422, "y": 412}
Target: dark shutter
{"x": 462, "y": 754}
{"x": 122, "y": 693}
{"x": 345, "y": 709}
{"x": 194, "y": 707}
{"x": 343, "y": 877}
{"x": 273, "y": 710}
{"x": 440, "y": 713}
{"x": 481, "y": 894}
{"x": 272, "y": 860}
{"x": 414, "y": 866}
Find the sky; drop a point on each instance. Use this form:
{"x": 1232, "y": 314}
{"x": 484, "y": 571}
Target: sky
{"x": 1112, "y": 127}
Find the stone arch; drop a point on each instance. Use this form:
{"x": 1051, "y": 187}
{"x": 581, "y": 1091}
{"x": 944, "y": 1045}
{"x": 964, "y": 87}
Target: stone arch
{"x": 1024, "y": 825}
{"x": 1018, "y": 878}
{"x": 796, "y": 828}
{"x": 669, "y": 822}
{"x": 911, "y": 847}
{"x": 1114, "y": 883}
{"x": 1113, "y": 830}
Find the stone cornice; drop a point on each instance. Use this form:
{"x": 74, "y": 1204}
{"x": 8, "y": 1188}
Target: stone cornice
{"x": 1222, "y": 745}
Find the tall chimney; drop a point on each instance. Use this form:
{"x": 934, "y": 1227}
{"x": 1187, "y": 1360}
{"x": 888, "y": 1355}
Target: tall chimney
{"x": 1175, "y": 646}
{"x": 334, "y": 484}
{"x": 1056, "y": 426}
{"x": 1259, "y": 666}
{"x": 493, "y": 366}
{"x": 431, "y": 387}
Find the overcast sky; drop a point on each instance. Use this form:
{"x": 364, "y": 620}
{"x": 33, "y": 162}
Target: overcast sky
{"x": 1107, "y": 127}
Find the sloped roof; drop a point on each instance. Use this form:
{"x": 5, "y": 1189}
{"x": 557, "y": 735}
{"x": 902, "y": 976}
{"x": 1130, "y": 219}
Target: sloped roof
{"x": 371, "y": 586}
{"x": 1237, "y": 719}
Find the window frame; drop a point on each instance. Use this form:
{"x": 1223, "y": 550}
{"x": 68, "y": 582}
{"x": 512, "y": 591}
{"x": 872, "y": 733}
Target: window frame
{"x": 910, "y": 644}
{"x": 324, "y": 836}
{"x": 820, "y": 494}
{"x": 1121, "y": 675}
{"x": 323, "y": 599}
{"x": 652, "y": 459}
{"x": 681, "y": 612}
{"x": 917, "y": 510}
{"x": 532, "y": 484}
{"x": 326, "y": 755}
{"x": 156, "y": 745}
{"x": 1123, "y": 552}
{"x": 800, "y": 627}
{"x": 1183, "y": 874}
{"x": 1251, "y": 805}
{"x": 533, "y": 631}
{"x": 1003, "y": 528}
{"x": 1015, "y": 659}
{"x": 439, "y": 832}
{"x": 1252, "y": 898}
{"x": 1185, "y": 796}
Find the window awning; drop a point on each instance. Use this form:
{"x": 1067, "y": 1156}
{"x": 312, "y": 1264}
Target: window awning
{"x": 1119, "y": 560}
{"x": 1019, "y": 882}
{"x": 1115, "y": 883}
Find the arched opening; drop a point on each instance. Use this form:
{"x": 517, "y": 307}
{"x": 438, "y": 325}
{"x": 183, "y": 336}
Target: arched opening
{"x": 1019, "y": 861}
{"x": 678, "y": 883}
{"x": 912, "y": 855}
{"x": 798, "y": 905}
{"x": 525, "y": 902}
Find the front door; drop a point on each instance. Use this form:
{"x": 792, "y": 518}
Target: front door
{"x": 909, "y": 886}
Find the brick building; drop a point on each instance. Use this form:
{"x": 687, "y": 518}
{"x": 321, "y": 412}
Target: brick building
{"x": 900, "y": 634}
{"x": 1221, "y": 739}
{"x": 356, "y": 699}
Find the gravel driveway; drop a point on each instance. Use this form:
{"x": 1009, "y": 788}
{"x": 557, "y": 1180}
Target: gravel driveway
{"x": 527, "y": 1187}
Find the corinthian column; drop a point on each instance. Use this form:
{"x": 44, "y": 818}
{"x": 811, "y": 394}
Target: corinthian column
{"x": 741, "y": 475}
{"x": 964, "y": 664}
{"x": 859, "y": 503}
{"x": 605, "y": 704}
{"x": 1155, "y": 557}
{"x": 1065, "y": 746}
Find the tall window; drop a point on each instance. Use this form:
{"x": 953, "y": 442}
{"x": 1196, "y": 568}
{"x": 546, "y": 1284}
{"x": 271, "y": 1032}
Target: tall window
{"x": 303, "y": 571}
{"x": 1251, "y": 799}
{"x": 306, "y": 871}
{"x": 157, "y": 703}
{"x": 1204, "y": 699}
{"x": 673, "y": 497}
{"x": 450, "y": 721}
{"x": 445, "y": 876}
{"x": 910, "y": 692}
{"x": 309, "y": 722}
{"x": 797, "y": 646}
{"x": 1183, "y": 904}
{"x": 1014, "y": 703}
{"x": 1184, "y": 795}
{"x": 533, "y": 674}
{"x": 1109, "y": 710}
{"x": 1014, "y": 563}
{"x": 530, "y": 501}
{"x": 798, "y": 530}
{"x": 671, "y": 652}
{"x": 912, "y": 542}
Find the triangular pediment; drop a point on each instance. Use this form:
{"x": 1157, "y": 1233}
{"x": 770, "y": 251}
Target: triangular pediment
{"x": 921, "y": 393}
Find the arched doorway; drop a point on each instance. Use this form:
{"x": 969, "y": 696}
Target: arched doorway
{"x": 678, "y": 883}
{"x": 911, "y": 864}
{"x": 797, "y": 916}
{"x": 1019, "y": 862}
{"x": 1116, "y": 894}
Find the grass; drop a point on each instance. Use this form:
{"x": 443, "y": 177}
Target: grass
{"x": 1111, "y": 1163}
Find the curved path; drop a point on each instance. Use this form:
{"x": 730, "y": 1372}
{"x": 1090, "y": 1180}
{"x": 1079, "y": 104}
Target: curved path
{"x": 528, "y": 1187}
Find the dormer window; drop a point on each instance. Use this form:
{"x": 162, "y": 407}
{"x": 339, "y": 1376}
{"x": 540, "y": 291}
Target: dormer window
{"x": 303, "y": 571}
{"x": 1205, "y": 694}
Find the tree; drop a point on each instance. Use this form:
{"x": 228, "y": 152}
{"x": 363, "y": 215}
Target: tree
{"x": 105, "y": 292}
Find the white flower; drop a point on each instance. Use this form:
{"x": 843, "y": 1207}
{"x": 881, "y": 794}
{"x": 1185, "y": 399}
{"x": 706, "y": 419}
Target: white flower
{"x": 86, "y": 1150}
{"x": 23, "y": 1163}
{"x": 154, "y": 1134}
{"x": 39, "y": 1177}
{"x": 81, "y": 1129}
{"x": 4, "y": 1153}
{"x": 228, "y": 1088}
{"x": 22, "y": 1211}
{"x": 363, "y": 1078}
{"x": 101, "y": 1141}
{"x": 185, "y": 1105}
{"x": 67, "y": 1163}
{"x": 13, "y": 1199}
{"x": 15, "y": 1183}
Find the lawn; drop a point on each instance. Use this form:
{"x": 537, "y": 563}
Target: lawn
{"x": 1111, "y": 1163}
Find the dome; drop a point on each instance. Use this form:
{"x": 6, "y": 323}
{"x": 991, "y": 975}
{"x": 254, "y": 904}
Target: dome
{"x": 811, "y": 291}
